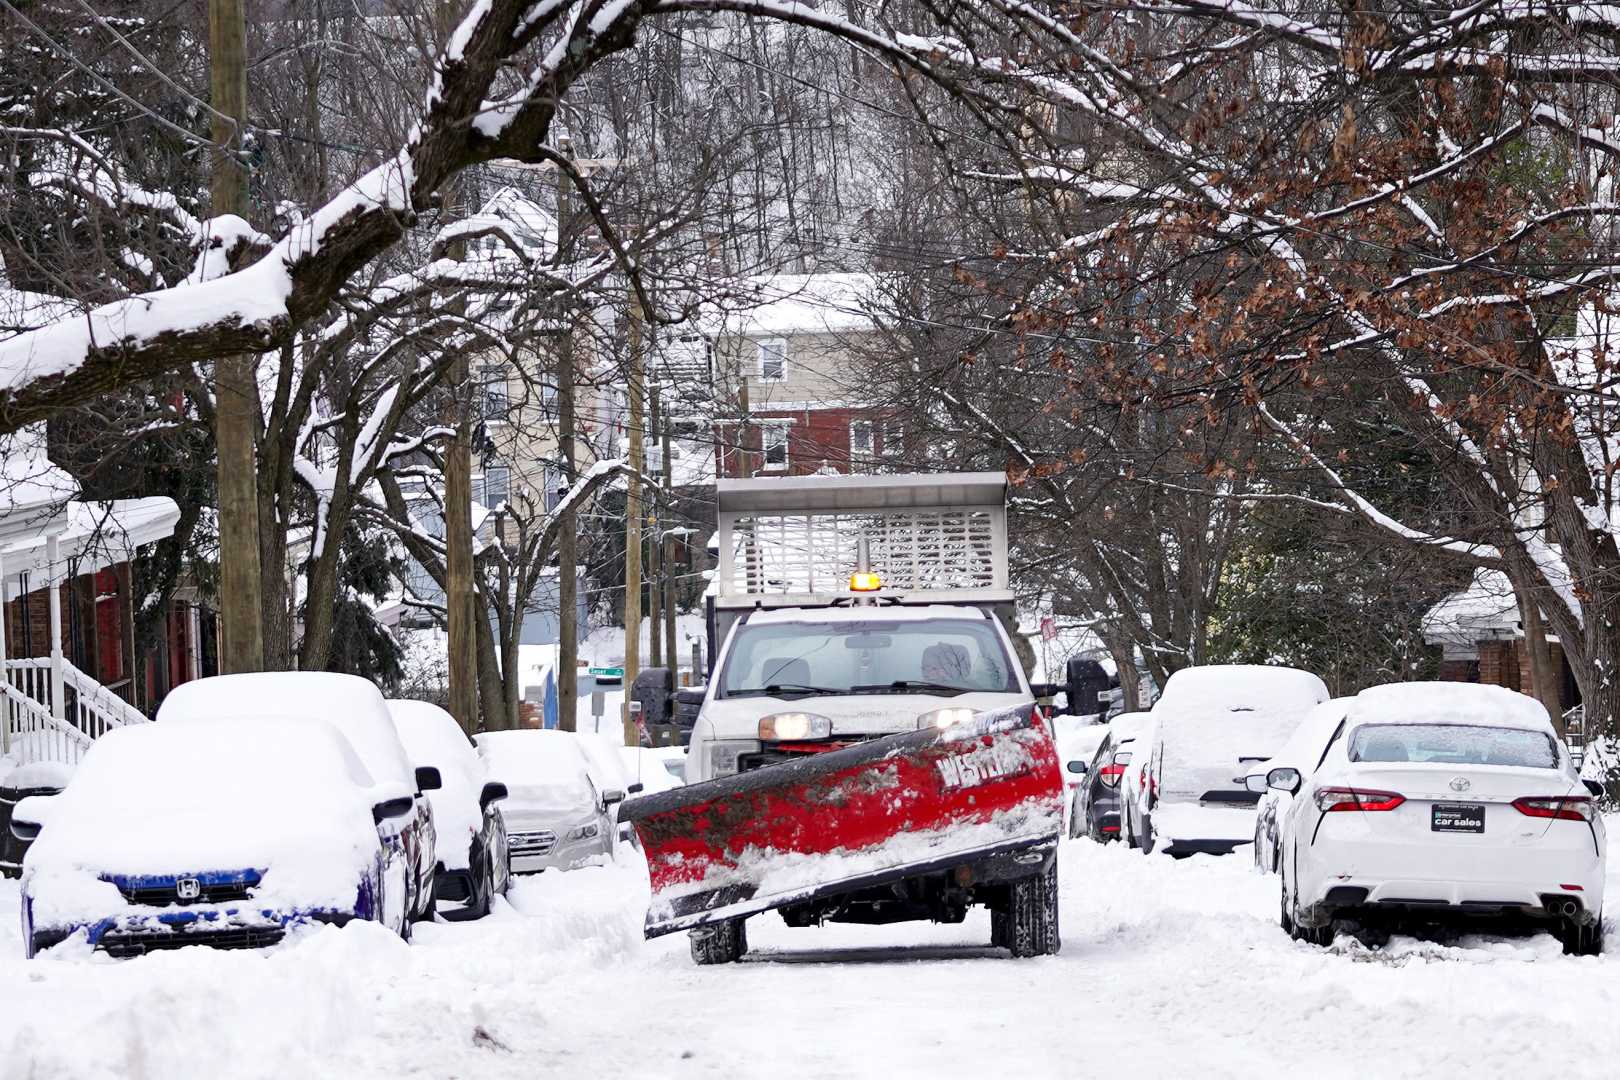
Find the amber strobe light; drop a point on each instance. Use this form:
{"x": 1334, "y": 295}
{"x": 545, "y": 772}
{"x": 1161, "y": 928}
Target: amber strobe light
{"x": 864, "y": 581}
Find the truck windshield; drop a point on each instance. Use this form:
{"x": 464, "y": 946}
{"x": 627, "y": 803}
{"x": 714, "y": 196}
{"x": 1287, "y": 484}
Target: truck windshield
{"x": 932, "y": 656}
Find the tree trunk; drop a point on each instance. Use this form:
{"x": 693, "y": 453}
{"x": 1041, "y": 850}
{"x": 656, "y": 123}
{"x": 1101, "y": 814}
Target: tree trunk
{"x": 489, "y": 685}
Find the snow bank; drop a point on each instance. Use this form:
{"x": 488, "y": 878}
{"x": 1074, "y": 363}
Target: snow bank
{"x": 286, "y": 797}
{"x": 1241, "y": 686}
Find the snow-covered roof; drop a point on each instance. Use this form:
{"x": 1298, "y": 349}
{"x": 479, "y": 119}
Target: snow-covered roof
{"x": 1447, "y": 703}
{"x": 780, "y": 304}
{"x": 1228, "y": 687}
{"x": 1486, "y": 610}
{"x": 93, "y": 536}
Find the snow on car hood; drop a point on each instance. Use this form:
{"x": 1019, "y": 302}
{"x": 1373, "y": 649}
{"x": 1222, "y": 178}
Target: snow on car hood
{"x": 851, "y": 714}
{"x": 157, "y": 799}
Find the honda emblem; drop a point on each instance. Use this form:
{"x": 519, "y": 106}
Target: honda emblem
{"x": 187, "y": 888}
{"x": 1460, "y": 784}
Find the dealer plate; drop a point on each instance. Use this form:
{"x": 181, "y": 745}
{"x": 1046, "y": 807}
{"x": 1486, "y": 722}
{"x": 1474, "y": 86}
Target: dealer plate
{"x": 1457, "y": 817}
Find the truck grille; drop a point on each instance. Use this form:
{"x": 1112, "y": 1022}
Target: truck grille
{"x": 531, "y": 843}
{"x": 123, "y": 944}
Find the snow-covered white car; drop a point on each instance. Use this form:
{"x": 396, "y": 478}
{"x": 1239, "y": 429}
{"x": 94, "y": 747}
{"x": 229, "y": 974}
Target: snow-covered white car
{"x": 1303, "y": 751}
{"x": 1211, "y": 725}
{"x": 556, "y": 816}
{"x": 357, "y": 709}
{"x": 1441, "y": 799}
{"x": 797, "y": 681}
{"x": 222, "y": 834}
{"x": 472, "y": 867}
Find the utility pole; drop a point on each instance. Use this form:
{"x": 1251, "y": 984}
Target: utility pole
{"x": 655, "y": 563}
{"x": 668, "y": 559}
{"x": 568, "y": 525}
{"x": 236, "y": 391}
{"x": 458, "y": 571}
{"x": 632, "y": 519}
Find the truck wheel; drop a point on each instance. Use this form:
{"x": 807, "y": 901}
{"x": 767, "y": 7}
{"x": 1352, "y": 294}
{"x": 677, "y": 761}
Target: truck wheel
{"x": 721, "y": 943}
{"x": 1032, "y": 914}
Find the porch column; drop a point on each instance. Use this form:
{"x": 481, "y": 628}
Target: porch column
{"x": 53, "y": 550}
{"x": 5, "y": 676}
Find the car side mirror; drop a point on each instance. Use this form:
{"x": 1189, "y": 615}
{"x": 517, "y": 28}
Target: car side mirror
{"x": 30, "y": 815}
{"x": 392, "y": 808}
{"x": 636, "y": 788}
{"x": 1256, "y": 783}
{"x": 1077, "y": 767}
{"x": 611, "y": 796}
{"x": 1596, "y": 788}
{"x": 428, "y": 778}
{"x": 1122, "y": 758}
{"x": 493, "y": 792}
{"x": 1284, "y": 779}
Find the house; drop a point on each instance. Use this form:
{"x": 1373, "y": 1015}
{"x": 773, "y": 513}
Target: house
{"x": 67, "y": 639}
{"x": 1481, "y": 637}
{"x": 788, "y": 366}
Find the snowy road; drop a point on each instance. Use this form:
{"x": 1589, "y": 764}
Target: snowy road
{"x": 1168, "y": 969}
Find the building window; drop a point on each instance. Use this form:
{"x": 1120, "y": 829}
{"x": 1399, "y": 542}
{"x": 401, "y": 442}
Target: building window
{"x": 497, "y": 485}
{"x": 774, "y": 440}
{"x": 860, "y": 440}
{"x": 493, "y": 400}
{"x": 772, "y": 359}
{"x": 894, "y": 438}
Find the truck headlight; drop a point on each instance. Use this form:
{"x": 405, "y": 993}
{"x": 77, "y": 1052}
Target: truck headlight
{"x": 582, "y": 832}
{"x": 792, "y": 726}
{"x": 942, "y": 718}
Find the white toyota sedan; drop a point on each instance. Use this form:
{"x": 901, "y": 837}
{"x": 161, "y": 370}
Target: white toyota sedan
{"x": 1443, "y": 799}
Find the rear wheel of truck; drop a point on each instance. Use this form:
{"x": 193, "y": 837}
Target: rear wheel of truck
{"x": 722, "y": 943}
{"x": 1030, "y": 923}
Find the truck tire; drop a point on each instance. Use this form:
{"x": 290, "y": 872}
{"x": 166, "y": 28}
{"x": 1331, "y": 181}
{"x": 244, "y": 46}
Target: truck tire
{"x": 1031, "y": 926}
{"x": 721, "y": 943}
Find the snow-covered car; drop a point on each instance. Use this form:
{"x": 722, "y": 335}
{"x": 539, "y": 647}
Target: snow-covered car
{"x": 609, "y": 771}
{"x": 1198, "y": 799}
{"x": 472, "y": 866}
{"x": 356, "y": 708}
{"x": 1303, "y": 751}
{"x": 1443, "y": 799}
{"x": 223, "y": 834}
{"x": 1133, "y": 789}
{"x": 655, "y": 769}
{"x": 556, "y": 817}
{"x": 1077, "y": 740}
{"x": 1096, "y": 806}
{"x": 1213, "y": 688}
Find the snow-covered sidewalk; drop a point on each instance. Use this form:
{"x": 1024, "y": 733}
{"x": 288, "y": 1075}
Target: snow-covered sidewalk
{"x": 1177, "y": 968}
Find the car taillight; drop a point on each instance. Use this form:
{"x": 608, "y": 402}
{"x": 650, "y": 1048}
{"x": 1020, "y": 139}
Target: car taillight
{"x": 1153, "y": 788}
{"x": 1562, "y": 807}
{"x": 1329, "y": 799}
{"x": 1110, "y": 774}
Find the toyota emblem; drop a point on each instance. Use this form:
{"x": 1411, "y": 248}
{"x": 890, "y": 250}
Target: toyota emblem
{"x": 1460, "y": 784}
{"x": 187, "y": 888}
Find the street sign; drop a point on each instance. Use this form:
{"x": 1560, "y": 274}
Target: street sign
{"x": 608, "y": 671}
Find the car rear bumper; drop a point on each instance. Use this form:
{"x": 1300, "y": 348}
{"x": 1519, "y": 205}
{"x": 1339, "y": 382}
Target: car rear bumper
{"x": 1372, "y": 872}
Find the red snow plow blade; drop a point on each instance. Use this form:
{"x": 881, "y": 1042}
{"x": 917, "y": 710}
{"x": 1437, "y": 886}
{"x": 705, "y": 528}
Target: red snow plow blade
{"x": 837, "y": 822}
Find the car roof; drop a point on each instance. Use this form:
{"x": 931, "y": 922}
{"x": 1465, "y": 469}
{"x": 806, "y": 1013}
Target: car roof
{"x": 1448, "y": 703}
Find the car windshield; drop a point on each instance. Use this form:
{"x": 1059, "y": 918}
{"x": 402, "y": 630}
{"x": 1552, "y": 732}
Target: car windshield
{"x": 924, "y": 656}
{"x": 1453, "y": 744}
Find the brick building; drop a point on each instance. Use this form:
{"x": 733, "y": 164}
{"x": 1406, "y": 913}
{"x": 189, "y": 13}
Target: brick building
{"x": 1481, "y": 637}
{"x": 788, "y": 363}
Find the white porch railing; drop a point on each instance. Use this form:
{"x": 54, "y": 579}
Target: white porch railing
{"x": 33, "y": 731}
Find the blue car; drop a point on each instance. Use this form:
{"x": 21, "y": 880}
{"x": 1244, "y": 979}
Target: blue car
{"x": 227, "y": 834}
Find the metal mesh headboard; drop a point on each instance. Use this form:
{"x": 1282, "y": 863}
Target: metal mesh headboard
{"x": 913, "y": 550}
